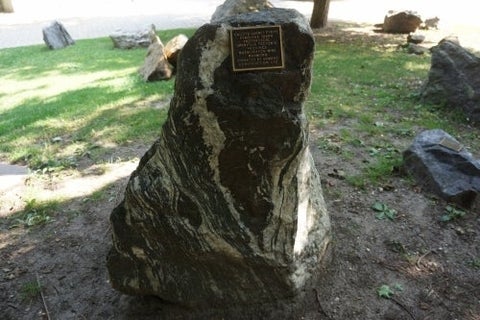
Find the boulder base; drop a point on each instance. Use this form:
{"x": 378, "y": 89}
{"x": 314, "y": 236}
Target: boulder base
{"x": 226, "y": 208}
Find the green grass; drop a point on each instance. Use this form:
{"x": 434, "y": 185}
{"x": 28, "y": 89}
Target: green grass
{"x": 82, "y": 101}
{"x": 370, "y": 97}
{"x": 86, "y": 96}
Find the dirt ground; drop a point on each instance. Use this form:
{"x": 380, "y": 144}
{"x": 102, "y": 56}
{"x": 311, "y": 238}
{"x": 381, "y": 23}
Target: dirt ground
{"x": 432, "y": 268}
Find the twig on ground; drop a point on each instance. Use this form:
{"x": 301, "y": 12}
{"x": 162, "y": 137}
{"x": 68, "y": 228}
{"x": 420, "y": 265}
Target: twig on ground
{"x": 320, "y": 308}
{"x": 421, "y": 257}
{"x": 43, "y": 298}
{"x": 403, "y": 307}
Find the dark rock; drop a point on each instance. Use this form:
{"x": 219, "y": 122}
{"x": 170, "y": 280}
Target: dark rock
{"x": 401, "y": 22}
{"x": 174, "y": 47}
{"x": 128, "y": 40}
{"x": 226, "y": 208}
{"x": 233, "y": 7}
{"x": 454, "y": 79}
{"x": 56, "y": 36}
{"x": 155, "y": 66}
{"x": 415, "y": 38}
{"x": 416, "y": 49}
{"x": 444, "y": 166}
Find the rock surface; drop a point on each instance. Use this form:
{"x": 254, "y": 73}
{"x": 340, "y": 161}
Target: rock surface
{"x": 454, "y": 79}
{"x": 56, "y": 36}
{"x": 442, "y": 165}
{"x": 233, "y": 7}
{"x": 174, "y": 47}
{"x": 401, "y": 22}
{"x": 155, "y": 67}
{"x": 226, "y": 208}
{"x": 128, "y": 40}
{"x": 415, "y": 38}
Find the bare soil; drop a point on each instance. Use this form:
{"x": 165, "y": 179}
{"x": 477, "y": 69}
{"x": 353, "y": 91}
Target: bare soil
{"x": 432, "y": 267}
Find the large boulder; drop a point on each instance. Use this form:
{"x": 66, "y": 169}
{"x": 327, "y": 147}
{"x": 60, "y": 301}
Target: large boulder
{"x": 226, "y": 208}
{"x": 454, "y": 79}
{"x": 56, "y": 36}
{"x": 443, "y": 166}
{"x": 401, "y": 22}
{"x": 233, "y": 7}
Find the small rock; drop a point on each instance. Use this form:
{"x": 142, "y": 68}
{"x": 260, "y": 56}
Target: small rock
{"x": 56, "y": 36}
{"x": 415, "y": 38}
{"x": 128, "y": 40}
{"x": 441, "y": 164}
{"x": 416, "y": 49}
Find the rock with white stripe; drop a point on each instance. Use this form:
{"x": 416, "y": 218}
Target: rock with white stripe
{"x": 226, "y": 208}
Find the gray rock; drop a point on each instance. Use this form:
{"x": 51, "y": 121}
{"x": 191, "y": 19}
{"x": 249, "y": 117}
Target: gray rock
{"x": 416, "y": 49}
{"x": 444, "y": 166}
{"x": 155, "y": 67}
{"x": 56, "y": 36}
{"x": 454, "y": 79}
{"x": 415, "y": 38}
{"x": 226, "y": 208}
{"x": 401, "y": 22}
{"x": 431, "y": 23}
{"x": 233, "y": 7}
{"x": 128, "y": 40}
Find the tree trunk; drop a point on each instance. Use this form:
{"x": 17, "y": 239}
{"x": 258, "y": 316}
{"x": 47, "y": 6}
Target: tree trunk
{"x": 319, "y": 14}
{"x": 6, "y": 6}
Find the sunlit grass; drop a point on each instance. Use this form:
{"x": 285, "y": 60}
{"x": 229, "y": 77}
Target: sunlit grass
{"x": 54, "y": 103}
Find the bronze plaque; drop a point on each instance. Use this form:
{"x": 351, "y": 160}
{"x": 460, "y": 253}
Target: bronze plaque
{"x": 257, "y": 48}
{"x": 451, "y": 144}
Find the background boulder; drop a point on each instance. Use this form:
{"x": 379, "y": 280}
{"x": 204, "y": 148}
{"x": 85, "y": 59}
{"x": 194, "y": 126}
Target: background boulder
{"x": 401, "y": 22}
{"x": 56, "y": 36}
{"x": 454, "y": 79}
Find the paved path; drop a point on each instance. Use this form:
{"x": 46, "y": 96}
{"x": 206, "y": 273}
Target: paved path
{"x": 99, "y": 18}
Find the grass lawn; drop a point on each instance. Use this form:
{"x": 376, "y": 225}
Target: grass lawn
{"x": 57, "y": 106}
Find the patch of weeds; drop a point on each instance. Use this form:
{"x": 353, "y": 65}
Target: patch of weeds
{"x": 386, "y": 292}
{"x": 383, "y": 211}
{"x": 95, "y": 196}
{"x": 474, "y": 263}
{"x": 332, "y": 143}
{"x": 35, "y": 213}
{"x": 452, "y": 213}
{"x": 357, "y": 181}
{"x": 30, "y": 290}
{"x": 396, "y": 246}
